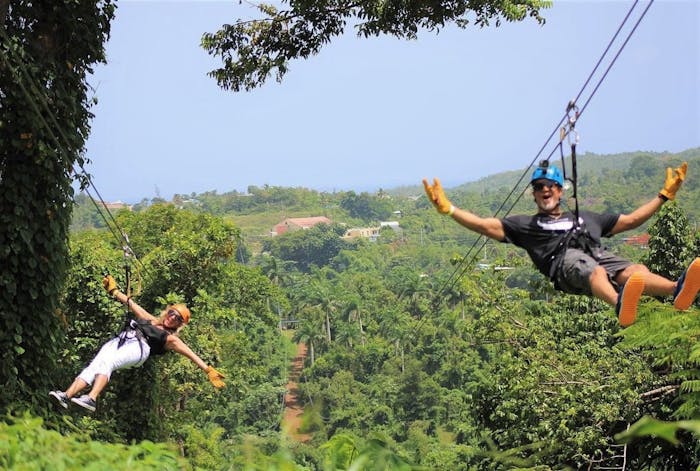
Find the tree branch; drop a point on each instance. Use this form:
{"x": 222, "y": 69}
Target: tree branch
{"x": 662, "y": 391}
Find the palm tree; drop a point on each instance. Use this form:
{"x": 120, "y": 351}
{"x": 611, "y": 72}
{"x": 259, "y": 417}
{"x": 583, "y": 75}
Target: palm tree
{"x": 415, "y": 295}
{"x": 347, "y": 332}
{"x": 352, "y": 314}
{"x": 276, "y": 270}
{"x": 394, "y": 326}
{"x": 320, "y": 294}
{"x": 309, "y": 332}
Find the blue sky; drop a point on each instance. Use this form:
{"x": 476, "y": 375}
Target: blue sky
{"x": 378, "y": 113}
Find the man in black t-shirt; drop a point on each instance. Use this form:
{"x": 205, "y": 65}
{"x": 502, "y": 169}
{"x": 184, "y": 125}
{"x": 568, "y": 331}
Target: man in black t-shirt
{"x": 569, "y": 252}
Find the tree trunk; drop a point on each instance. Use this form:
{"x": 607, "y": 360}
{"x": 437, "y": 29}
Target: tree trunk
{"x": 45, "y": 119}
{"x": 362, "y": 330}
{"x": 4, "y": 8}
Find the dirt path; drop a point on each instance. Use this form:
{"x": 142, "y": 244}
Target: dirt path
{"x": 292, "y": 407}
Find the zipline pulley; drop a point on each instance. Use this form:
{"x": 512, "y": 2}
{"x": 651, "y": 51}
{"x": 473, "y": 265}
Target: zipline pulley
{"x": 569, "y": 133}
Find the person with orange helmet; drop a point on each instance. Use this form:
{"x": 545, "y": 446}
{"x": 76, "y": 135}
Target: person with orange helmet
{"x": 569, "y": 251}
{"x": 143, "y": 336}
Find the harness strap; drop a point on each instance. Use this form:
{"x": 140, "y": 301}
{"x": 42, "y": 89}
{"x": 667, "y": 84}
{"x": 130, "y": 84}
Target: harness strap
{"x": 131, "y": 326}
{"x": 579, "y": 238}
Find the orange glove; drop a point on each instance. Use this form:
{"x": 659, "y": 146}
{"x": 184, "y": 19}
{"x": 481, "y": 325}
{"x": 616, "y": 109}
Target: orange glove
{"x": 436, "y": 195}
{"x": 215, "y": 377}
{"x": 109, "y": 284}
{"x": 674, "y": 182}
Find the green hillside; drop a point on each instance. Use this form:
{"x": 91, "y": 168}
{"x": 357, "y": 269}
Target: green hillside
{"x": 389, "y": 336}
{"x": 425, "y": 348}
{"x": 615, "y": 182}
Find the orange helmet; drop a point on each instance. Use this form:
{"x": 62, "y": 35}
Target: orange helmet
{"x": 183, "y": 310}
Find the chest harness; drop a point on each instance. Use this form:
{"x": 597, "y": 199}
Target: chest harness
{"x": 142, "y": 329}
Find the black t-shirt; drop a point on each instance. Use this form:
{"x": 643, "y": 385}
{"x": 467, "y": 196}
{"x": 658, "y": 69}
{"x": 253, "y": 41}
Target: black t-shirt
{"x": 155, "y": 336}
{"x": 541, "y": 234}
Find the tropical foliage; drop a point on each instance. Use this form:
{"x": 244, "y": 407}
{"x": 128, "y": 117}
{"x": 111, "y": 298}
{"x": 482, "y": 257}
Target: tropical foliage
{"x": 46, "y": 51}
{"x": 427, "y": 349}
{"x": 251, "y": 51}
{"x": 421, "y": 354}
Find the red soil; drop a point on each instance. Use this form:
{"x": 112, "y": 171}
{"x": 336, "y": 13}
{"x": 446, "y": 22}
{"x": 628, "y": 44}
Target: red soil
{"x": 292, "y": 406}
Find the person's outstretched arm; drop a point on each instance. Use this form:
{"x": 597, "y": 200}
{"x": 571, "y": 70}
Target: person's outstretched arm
{"x": 176, "y": 344}
{"x": 674, "y": 180}
{"x": 111, "y": 287}
{"x": 490, "y": 227}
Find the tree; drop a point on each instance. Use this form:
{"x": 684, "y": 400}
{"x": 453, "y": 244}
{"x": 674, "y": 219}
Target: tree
{"x": 85, "y": 215}
{"x": 308, "y": 248}
{"x": 310, "y": 331}
{"x": 668, "y": 339}
{"x": 670, "y": 242}
{"x": 395, "y": 326}
{"x": 252, "y": 50}
{"x": 353, "y": 313}
{"x": 46, "y": 51}
{"x": 320, "y": 295}
{"x": 275, "y": 269}
{"x": 366, "y": 207}
{"x": 184, "y": 248}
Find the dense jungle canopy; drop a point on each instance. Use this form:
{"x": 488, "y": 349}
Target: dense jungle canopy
{"x": 409, "y": 367}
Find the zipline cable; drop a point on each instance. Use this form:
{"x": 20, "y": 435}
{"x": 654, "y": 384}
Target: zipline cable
{"x": 634, "y": 28}
{"x": 118, "y": 233}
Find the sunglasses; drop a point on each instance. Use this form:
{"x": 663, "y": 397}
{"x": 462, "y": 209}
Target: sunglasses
{"x": 539, "y": 186}
{"x": 176, "y": 315}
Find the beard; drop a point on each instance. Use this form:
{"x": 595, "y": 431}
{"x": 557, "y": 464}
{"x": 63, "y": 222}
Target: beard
{"x": 548, "y": 205}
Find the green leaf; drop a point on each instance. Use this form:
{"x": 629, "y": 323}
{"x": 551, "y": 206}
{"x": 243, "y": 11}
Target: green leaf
{"x": 650, "y": 427}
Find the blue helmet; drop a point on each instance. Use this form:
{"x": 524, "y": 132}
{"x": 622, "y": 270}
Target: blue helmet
{"x": 548, "y": 173}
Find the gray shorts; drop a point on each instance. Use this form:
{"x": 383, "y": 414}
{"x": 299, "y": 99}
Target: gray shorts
{"x": 574, "y": 273}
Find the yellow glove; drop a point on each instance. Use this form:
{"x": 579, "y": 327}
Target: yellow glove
{"x": 436, "y": 195}
{"x": 109, "y": 284}
{"x": 674, "y": 182}
{"x": 215, "y": 377}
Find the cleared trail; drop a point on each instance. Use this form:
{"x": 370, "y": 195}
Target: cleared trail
{"x": 292, "y": 406}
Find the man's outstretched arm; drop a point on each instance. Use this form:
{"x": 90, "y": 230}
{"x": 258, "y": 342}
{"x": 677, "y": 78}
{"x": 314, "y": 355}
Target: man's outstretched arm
{"x": 674, "y": 180}
{"x": 489, "y": 227}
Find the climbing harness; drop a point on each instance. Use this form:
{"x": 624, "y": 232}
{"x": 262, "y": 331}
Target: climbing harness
{"x": 577, "y": 236}
{"x": 142, "y": 329}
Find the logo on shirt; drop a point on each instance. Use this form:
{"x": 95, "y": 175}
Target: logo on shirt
{"x": 563, "y": 224}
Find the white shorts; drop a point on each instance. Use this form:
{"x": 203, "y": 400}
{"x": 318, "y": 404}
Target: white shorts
{"x": 112, "y": 357}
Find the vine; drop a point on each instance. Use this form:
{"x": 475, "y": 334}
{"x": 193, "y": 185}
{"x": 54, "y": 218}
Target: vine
{"x": 46, "y": 51}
